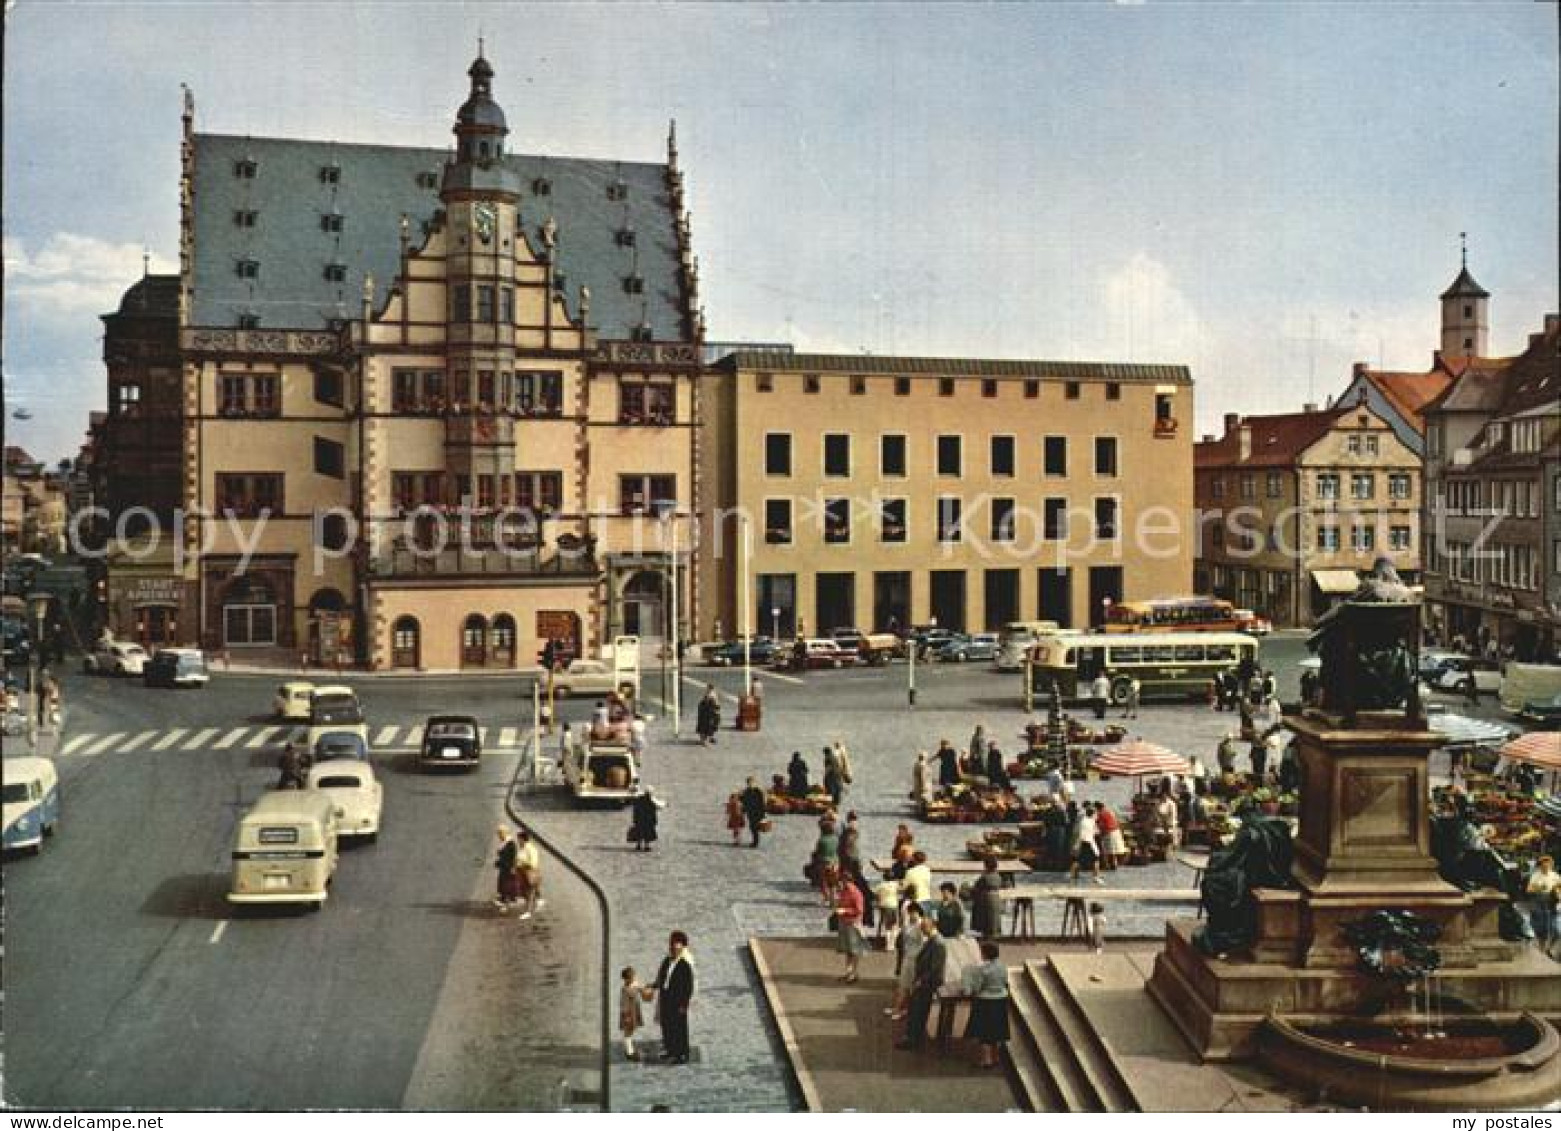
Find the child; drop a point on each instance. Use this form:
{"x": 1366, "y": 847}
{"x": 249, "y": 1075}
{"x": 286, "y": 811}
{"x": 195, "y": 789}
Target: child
{"x": 630, "y": 1019}
{"x": 734, "y": 816}
{"x": 1097, "y": 926}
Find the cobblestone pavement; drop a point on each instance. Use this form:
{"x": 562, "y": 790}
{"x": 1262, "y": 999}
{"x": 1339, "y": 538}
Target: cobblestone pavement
{"x": 696, "y": 880}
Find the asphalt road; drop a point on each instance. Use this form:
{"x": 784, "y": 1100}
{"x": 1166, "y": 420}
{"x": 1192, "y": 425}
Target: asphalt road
{"x": 130, "y": 982}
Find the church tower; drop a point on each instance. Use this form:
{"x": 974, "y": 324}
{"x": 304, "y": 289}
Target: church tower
{"x": 1465, "y": 315}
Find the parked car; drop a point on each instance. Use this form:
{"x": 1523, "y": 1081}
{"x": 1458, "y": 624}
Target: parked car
{"x": 451, "y": 740}
{"x": 291, "y": 701}
{"x": 585, "y": 677}
{"x": 359, "y": 797}
{"x": 334, "y": 708}
{"x": 116, "y": 657}
{"x": 1434, "y": 661}
{"x": 601, "y": 772}
{"x": 1522, "y": 683}
{"x": 340, "y": 746}
{"x": 849, "y": 640}
{"x": 1460, "y": 672}
{"x": 761, "y": 652}
{"x": 176, "y": 667}
{"x": 1249, "y": 622}
{"x": 980, "y": 646}
{"x": 816, "y": 653}
{"x": 1543, "y": 713}
{"x": 31, "y": 802}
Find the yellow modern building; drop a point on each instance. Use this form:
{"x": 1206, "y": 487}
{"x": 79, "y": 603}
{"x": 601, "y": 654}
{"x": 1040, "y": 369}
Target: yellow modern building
{"x": 887, "y": 492}
{"x": 438, "y": 408}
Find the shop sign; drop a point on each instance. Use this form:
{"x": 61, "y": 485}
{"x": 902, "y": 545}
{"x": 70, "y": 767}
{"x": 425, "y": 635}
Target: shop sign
{"x": 155, "y": 591}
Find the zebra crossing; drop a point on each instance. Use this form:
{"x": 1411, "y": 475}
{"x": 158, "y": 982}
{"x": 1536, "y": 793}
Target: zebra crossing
{"x": 180, "y": 740}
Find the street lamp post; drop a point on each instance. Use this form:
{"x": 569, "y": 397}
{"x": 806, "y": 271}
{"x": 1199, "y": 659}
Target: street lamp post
{"x": 910, "y": 690}
{"x": 744, "y": 625}
{"x": 39, "y": 602}
{"x": 677, "y": 636}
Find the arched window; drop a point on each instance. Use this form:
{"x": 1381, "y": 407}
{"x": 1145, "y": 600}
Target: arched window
{"x": 501, "y": 639}
{"x": 474, "y": 642}
{"x": 327, "y": 601}
{"x": 406, "y": 642}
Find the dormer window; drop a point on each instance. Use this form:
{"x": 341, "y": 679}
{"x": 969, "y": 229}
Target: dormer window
{"x": 335, "y": 273}
{"x": 644, "y": 333}
{"x": 560, "y": 280}
{"x": 634, "y": 284}
{"x": 248, "y": 321}
{"x": 245, "y": 168}
{"x": 248, "y": 268}
{"x": 541, "y": 186}
{"x": 618, "y": 190}
{"x": 428, "y": 180}
{"x": 330, "y": 174}
{"x": 625, "y": 237}
{"x": 245, "y": 218}
{"x": 331, "y": 222}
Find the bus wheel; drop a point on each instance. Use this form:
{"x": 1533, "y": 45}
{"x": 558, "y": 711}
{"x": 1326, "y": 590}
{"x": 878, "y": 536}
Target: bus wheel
{"x": 1121, "y": 687}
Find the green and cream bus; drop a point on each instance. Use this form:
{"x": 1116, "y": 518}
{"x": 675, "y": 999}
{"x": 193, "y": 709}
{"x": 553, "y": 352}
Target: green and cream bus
{"x": 1166, "y": 664}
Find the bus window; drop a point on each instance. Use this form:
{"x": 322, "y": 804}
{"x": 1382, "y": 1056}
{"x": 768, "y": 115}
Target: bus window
{"x": 1189, "y": 653}
{"x": 1221, "y": 653}
{"x": 1126, "y": 656}
{"x": 1159, "y": 654}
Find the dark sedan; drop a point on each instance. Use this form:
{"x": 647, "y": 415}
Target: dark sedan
{"x": 451, "y": 740}
{"x": 761, "y": 653}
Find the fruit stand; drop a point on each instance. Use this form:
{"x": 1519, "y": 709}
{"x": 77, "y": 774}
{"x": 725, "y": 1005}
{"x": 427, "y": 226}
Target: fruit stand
{"x": 1518, "y": 825}
{"x": 968, "y": 805}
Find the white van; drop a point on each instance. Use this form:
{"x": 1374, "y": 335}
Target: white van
{"x": 604, "y": 773}
{"x": 285, "y": 849}
{"x": 1524, "y": 683}
{"x": 32, "y": 802}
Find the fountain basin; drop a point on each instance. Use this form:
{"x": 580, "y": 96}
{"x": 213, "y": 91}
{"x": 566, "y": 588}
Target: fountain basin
{"x": 1480, "y": 1063}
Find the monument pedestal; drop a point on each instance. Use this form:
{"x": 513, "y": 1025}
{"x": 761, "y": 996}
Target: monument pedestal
{"x": 1364, "y": 846}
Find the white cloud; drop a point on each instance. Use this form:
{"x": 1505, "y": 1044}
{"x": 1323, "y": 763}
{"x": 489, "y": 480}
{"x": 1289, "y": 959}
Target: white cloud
{"x": 72, "y": 276}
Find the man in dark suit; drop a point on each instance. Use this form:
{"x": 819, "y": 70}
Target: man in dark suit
{"x": 931, "y": 962}
{"x": 752, "y": 801}
{"x": 674, "y": 988}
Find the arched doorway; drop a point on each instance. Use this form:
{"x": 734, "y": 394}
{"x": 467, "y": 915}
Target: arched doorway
{"x": 501, "y": 641}
{"x": 406, "y": 643}
{"x": 642, "y": 605}
{"x": 474, "y": 642}
{"x": 248, "y": 614}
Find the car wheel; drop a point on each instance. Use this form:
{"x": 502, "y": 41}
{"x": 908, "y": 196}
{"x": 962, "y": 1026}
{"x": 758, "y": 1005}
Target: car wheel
{"x": 1468, "y": 687}
{"x": 960, "y": 657}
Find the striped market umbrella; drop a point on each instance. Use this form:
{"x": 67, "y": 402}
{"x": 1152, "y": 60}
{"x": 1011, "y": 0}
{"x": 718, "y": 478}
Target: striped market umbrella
{"x": 1136, "y": 759}
{"x": 1539, "y": 748}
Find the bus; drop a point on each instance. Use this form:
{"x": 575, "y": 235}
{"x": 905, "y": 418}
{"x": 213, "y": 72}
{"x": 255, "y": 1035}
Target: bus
{"x": 1015, "y": 638}
{"x": 1166, "y": 664}
{"x": 1173, "y": 614}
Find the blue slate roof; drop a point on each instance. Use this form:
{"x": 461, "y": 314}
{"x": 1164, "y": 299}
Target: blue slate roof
{"x": 374, "y": 185}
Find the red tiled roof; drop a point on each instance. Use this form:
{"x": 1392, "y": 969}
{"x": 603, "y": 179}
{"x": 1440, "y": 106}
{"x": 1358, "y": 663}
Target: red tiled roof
{"x": 1409, "y": 393}
{"x": 1276, "y": 440}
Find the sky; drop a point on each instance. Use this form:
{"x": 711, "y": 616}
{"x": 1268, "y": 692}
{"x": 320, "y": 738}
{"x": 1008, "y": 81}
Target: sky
{"x": 1265, "y": 193}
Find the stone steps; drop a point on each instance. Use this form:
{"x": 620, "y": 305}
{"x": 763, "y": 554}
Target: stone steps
{"x": 1032, "y": 1047}
{"x": 1058, "y": 1060}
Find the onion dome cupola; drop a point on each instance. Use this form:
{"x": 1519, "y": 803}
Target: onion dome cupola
{"x": 478, "y": 167}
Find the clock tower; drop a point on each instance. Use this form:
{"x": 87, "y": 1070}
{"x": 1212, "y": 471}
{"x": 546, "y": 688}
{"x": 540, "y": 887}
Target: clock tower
{"x": 480, "y": 194}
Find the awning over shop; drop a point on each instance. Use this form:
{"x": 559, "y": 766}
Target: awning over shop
{"x": 1460, "y": 730}
{"x": 1336, "y": 580}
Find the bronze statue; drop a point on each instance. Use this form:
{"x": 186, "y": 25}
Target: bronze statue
{"x": 1369, "y": 644}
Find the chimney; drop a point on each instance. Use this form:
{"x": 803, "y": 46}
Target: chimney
{"x": 1309, "y": 407}
{"x": 1359, "y": 369}
{"x": 1232, "y": 419}
{"x": 1246, "y": 441}
{"x": 1208, "y": 437}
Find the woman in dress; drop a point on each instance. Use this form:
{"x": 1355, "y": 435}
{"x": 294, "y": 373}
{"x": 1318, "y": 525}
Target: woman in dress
{"x": 826, "y": 859}
{"x": 1113, "y": 845}
{"x": 797, "y": 775}
{"x": 834, "y": 784}
{"x": 848, "y": 926}
{"x": 643, "y": 831}
{"x": 986, "y": 902}
{"x": 509, "y": 879}
{"x": 988, "y": 985}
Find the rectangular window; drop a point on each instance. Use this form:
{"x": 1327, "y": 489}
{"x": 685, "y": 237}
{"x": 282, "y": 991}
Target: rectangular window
{"x": 507, "y": 305}
{"x": 764, "y": 382}
{"x": 404, "y": 391}
{"x": 1328, "y": 485}
{"x": 1275, "y": 484}
{"x": 1363, "y": 538}
{"x": 327, "y": 386}
{"x": 640, "y": 494}
{"x": 330, "y": 222}
{"x": 1106, "y": 455}
{"x": 891, "y": 455}
{"x": 1070, "y": 390}
{"x": 945, "y": 386}
{"x": 1217, "y": 487}
{"x": 858, "y": 385}
{"x": 640, "y": 403}
{"x": 245, "y": 218}
{"x": 837, "y": 455}
{"x": 892, "y": 522}
{"x": 485, "y": 492}
{"x": 248, "y": 269}
{"x": 231, "y": 400}
{"x": 837, "y": 521}
{"x": 948, "y": 518}
{"x": 1398, "y": 538}
{"x": 902, "y": 386}
{"x": 460, "y": 303}
{"x": 1398, "y": 485}
{"x": 949, "y": 462}
{"x": 1032, "y": 389}
{"x": 1362, "y": 486}
{"x": 330, "y": 458}
{"x": 810, "y": 383}
{"x": 487, "y": 309}
{"x": 1106, "y": 517}
{"x": 1248, "y": 483}
{"x": 1113, "y": 391}
{"x": 1056, "y": 455}
{"x": 988, "y": 387}
{"x": 540, "y": 394}
{"x": 1055, "y": 521}
{"x": 777, "y": 453}
{"x": 403, "y": 490}
{"x": 1371, "y": 445}
{"x": 249, "y": 494}
{"x": 487, "y": 388}
{"x": 541, "y": 491}
{"x": 1352, "y": 443}
{"x": 1002, "y": 520}
{"x": 1002, "y": 455}
{"x": 777, "y": 522}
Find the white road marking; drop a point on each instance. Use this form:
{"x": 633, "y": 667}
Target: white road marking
{"x": 76, "y": 743}
{"x": 229, "y": 739}
{"x": 507, "y": 736}
{"x": 202, "y": 739}
{"x": 266, "y": 735}
{"x": 104, "y": 743}
{"x": 415, "y": 735}
{"x": 170, "y": 738}
{"x": 216, "y": 935}
{"x": 138, "y": 741}
{"x": 782, "y": 676}
{"x": 386, "y": 736}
